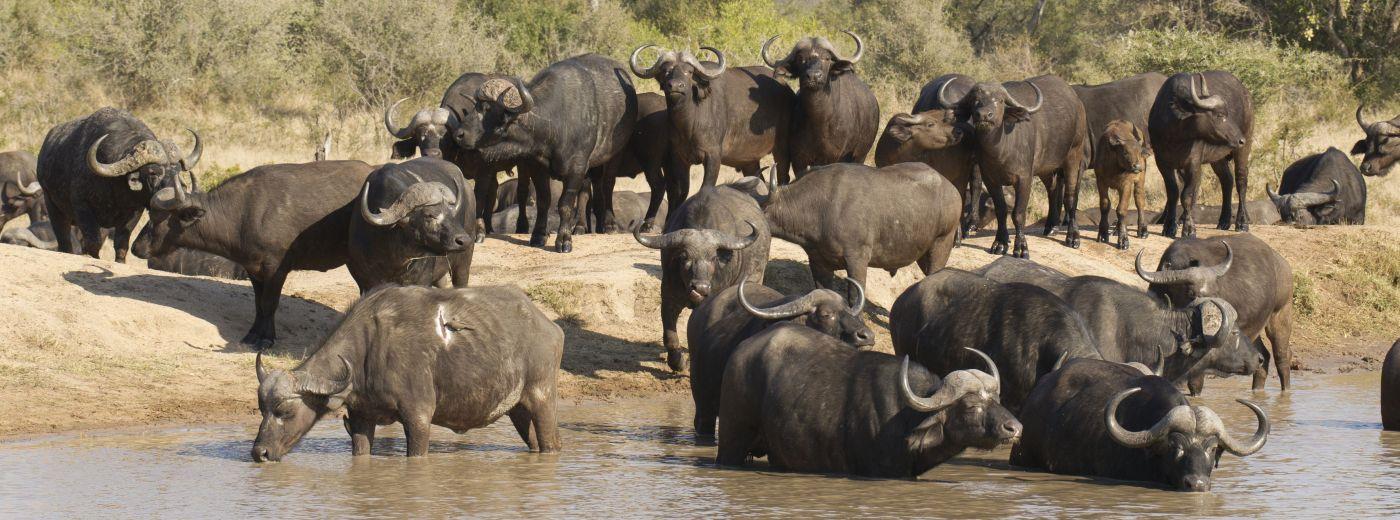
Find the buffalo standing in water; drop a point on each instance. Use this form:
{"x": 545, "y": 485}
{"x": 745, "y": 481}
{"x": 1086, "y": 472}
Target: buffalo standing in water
{"x": 266, "y": 220}
{"x": 1324, "y": 188}
{"x": 20, "y": 192}
{"x": 415, "y": 226}
{"x": 1390, "y": 388}
{"x": 719, "y": 115}
{"x": 100, "y": 171}
{"x": 811, "y": 403}
{"x": 1105, "y": 419}
{"x": 733, "y": 315}
{"x": 1189, "y": 126}
{"x": 712, "y": 241}
{"x": 456, "y": 358}
{"x": 836, "y": 114}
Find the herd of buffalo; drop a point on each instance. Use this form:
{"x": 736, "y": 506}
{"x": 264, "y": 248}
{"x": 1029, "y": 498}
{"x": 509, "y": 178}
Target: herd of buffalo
{"x": 1081, "y": 374}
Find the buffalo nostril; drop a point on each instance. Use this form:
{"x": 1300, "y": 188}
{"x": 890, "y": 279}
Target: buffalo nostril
{"x": 1011, "y": 429}
{"x": 260, "y": 454}
{"x": 1195, "y": 483}
{"x": 461, "y": 240}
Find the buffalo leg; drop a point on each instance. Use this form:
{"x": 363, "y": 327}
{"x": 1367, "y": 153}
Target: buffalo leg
{"x": 575, "y": 173}
{"x": 1189, "y": 191}
{"x": 546, "y": 426}
{"x": 361, "y": 434}
{"x": 1280, "y": 332}
{"x": 267, "y": 294}
{"x": 460, "y": 267}
{"x": 1018, "y": 217}
{"x": 416, "y": 430}
{"x": 656, "y": 181}
{"x": 1104, "y": 206}
{"x": 678, "y": 185}
{"x": 520, "y": 418}
{"x": 1173, "y": 189}
{"x": 737, "y": 439}
{"x": 485, "y": 191}
{"x": 670, "y": 313}
{"x": 91, "y": 233}
{"x": 1242, "y": 185}
{"x": 1226, "y": 178}
{"x": 857, "y": 263}
{"x": 937, "y": 257}
{"x": 1261, "y": 375}
{"x": 1002, "y": 240}
{"x": 973, "y": 201}
{"x": 121, "y": 237}
{"x": 603, "y": 184}
{"x": 711, "y": 163}
{"x": 540, "y": 234}
{"x": 823, "y": 276}
{"x": 1069, "y": 198}
{"x": 62, "y": 231}
{"x": 1054, "y": 190}
{"x": 1137, "y": 185}
{"x": 1196, "y": 383}
{"x": 1125, "y": 192}
{"x": 523, "y": 178}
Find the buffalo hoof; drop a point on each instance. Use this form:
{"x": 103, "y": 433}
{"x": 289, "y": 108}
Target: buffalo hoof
{"x": 481, "y": 237}
{"x": 1123, "y": 242}
{"x": 1242, "y": 227}
{"x": 1188, "y": 231}
{"x": 649, "y": 226}
{"x": 255, "y": 343}
{"x": 1142, "y": 232}
{"x": 564, "y": 246}
{"x": 1021, "y": 251}
{"x": 521, "y": 230}
{"x": 678, "y": 360}
{"x": 538, "y": 240}
{"x": 1103, "y": 237}
{"x": 1072, "y": 241}
{"x": 998, "y": 248}
{"x": 1049, "y": 231}
{"x": 1169, "y": 231}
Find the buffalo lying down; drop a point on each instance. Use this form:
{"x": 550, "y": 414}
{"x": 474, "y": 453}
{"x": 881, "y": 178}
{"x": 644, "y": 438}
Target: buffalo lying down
{"x": 1324, "y": 188}
{"x": 812, "y": 403}
{"x": 19, "y": 187}
{"x": 1105, "y": 419}
{"x": 459, "y": 359}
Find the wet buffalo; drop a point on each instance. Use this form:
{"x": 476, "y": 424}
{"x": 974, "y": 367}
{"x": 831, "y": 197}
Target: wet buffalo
{"x": 811, "y": 403}
{"x": 1017, "y": 142}
{"x": 1110, "y": 420}
{"x": 720, "y": 115}
{"x": 100, "y": 171}
{"x": 569, "y": 123}
{"x": 933, "y": 134}
{"x": 721, "y": 322}
{"x": 1324, "y": 188}
{"x": 271, "y": 220}
{"x": 456, "y": 358}
{"x": 853, "y": 217}
{"x": 415, "y": 226}
{"x": 1390, "y": 388}
{"x": 1202, "y": 118}
{"x": 712, "y": 241}
{"x": 1248, "y": 274}
{"x": 20, "y": 192}
{"x": 836, "y": 114}
{"x": 1120, "y": 159}
{"x": 1381, "y": 147}
{"x": 1025, "y": 330}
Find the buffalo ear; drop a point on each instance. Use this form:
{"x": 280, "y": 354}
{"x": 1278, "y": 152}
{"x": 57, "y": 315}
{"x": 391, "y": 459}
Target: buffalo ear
{"x": 404, "y": 149}
{"x": 1017, "y": 114}
{"x": 189, "y": 216}
{"x": 1359, "y": 148}
{"x": 1147, "y": 151}
{"x": 899, "y": 132}
{"x": 701, "y": 90}
{"x": 842, "y": 67}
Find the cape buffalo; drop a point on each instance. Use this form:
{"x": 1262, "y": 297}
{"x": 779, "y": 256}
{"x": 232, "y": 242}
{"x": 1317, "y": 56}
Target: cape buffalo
{"x": 456, "y": 358}
{"x": 712, "y": 241}
{"x": 415, "y": 225}
{"x": 1026, "y": 330}
{"x": 1017, "y": 142}
{"x": 569, "y": 123}
{"x": 1381, "y": 147}
{"x": 812, "y": 403}
{"x": 721, "y": 322}
{"x": 836, "y": 114}
{"x": 1129, "y": 99}
{"x": 853, "y": 216}
{"x": 1390, "y": 388}
{"x": 1242, "y": 270}
{"x": 719, "y": 115}
{"x": 464, "y": 127}
{"x": 1110, "y": 420}
{"x": 648, "y": 152}
{"x": 1205, "y": 117}
{"x": 422, "y": 135}
{"x": 933, "y": 134}
{"x": 99, "y": 171}
{"x": 271, "y": 220}
{"x": 1260, "y": 212}
{"x": 183, "y": 260}
{"x": 20, "y": 192}
{"x": 1120, "y": 159}
{"x": 1324, "y": 188}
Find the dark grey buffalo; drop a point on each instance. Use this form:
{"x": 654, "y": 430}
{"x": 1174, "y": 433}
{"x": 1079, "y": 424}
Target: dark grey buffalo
{"x": 853, "y": 217}
{"x": 1247, "y": 273}
{"x": 811, "y": 403}
{"x": 1025, "y": 330}
{"x": 1129, "y": 99}
{"x": 933, "y": 134}
{"x": 463, "y": 127}
{"x": 1120, "y": 158}
{"x": 20, "y": 192}
{"x": 456, "y": 358}
{"x": 271, "y": 220}
{"x": 1129, "y": 325}
{"x": 1202, "y": 118}
{"x": 183, "y": 260}
{"x": 719, "y": 115}
{"x": 1390, "y": 388}
{"x": 423, "y": 135}
{"x": 1324, "y": 188}
{"x": 568, "y": 123}
{"x": 100, "y": 171}
{"x": 1381, "y": 147}
{"x": 1105, "y": 419}
{"x": 836, "y": 114}
{"x": 721, "y": 322}
{"x": 1017, "y": 142}
{"x": 415, "y": 226}
{"x": 712, "y": 241}
{"x": 1260, "y": 212}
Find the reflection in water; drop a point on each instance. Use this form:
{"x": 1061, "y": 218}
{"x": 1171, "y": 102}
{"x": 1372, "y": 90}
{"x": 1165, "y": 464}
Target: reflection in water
{"x": 1326, "y": 456}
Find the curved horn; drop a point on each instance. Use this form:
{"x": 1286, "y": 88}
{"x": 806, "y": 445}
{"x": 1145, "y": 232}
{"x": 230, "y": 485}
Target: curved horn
{"x": 763, "y": 52}
{"x": 194, "y": 182}
{"x": 1161, "y": 363}
{"x": 860, "y": 49}
{"x": 258, "y": 366}
{"x": 792, "y": 309}
{"x": 306, "y": 383}
{"x": 942, "y": 91}
{"x": 1331, "y": 196}
{"x": 1362, "y": 122}
{"x": 30, "y": 189}
{"x": 654, "y": 241}
{"x": 188, "y": 162}
{"x": 389, "y": 115}
{"x": 1255, "y": 442}
{"x": 648, "y": 72}
{"x": 860, "y": 298}
{"x": 173, "y": 198}
{"x": 735, "y": 243}
{"x": 527, "y": 101}
{"x": 991, "y": 365}
{"x": 1207, "y": 102}
{"x": 1188, "y": 275}
{"x": 710, "y": 73}
{"x": 1273, "y": 195}
{"x": 943, "y": 398}
{"x": 1145, "y": 437}
{"x": 388, "y": 218}
{"x": 1039, "y": 99}
{"x": 116, "y": 169}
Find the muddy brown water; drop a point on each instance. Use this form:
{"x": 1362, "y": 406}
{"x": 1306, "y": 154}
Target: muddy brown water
{"x": 1327, "y": 457}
